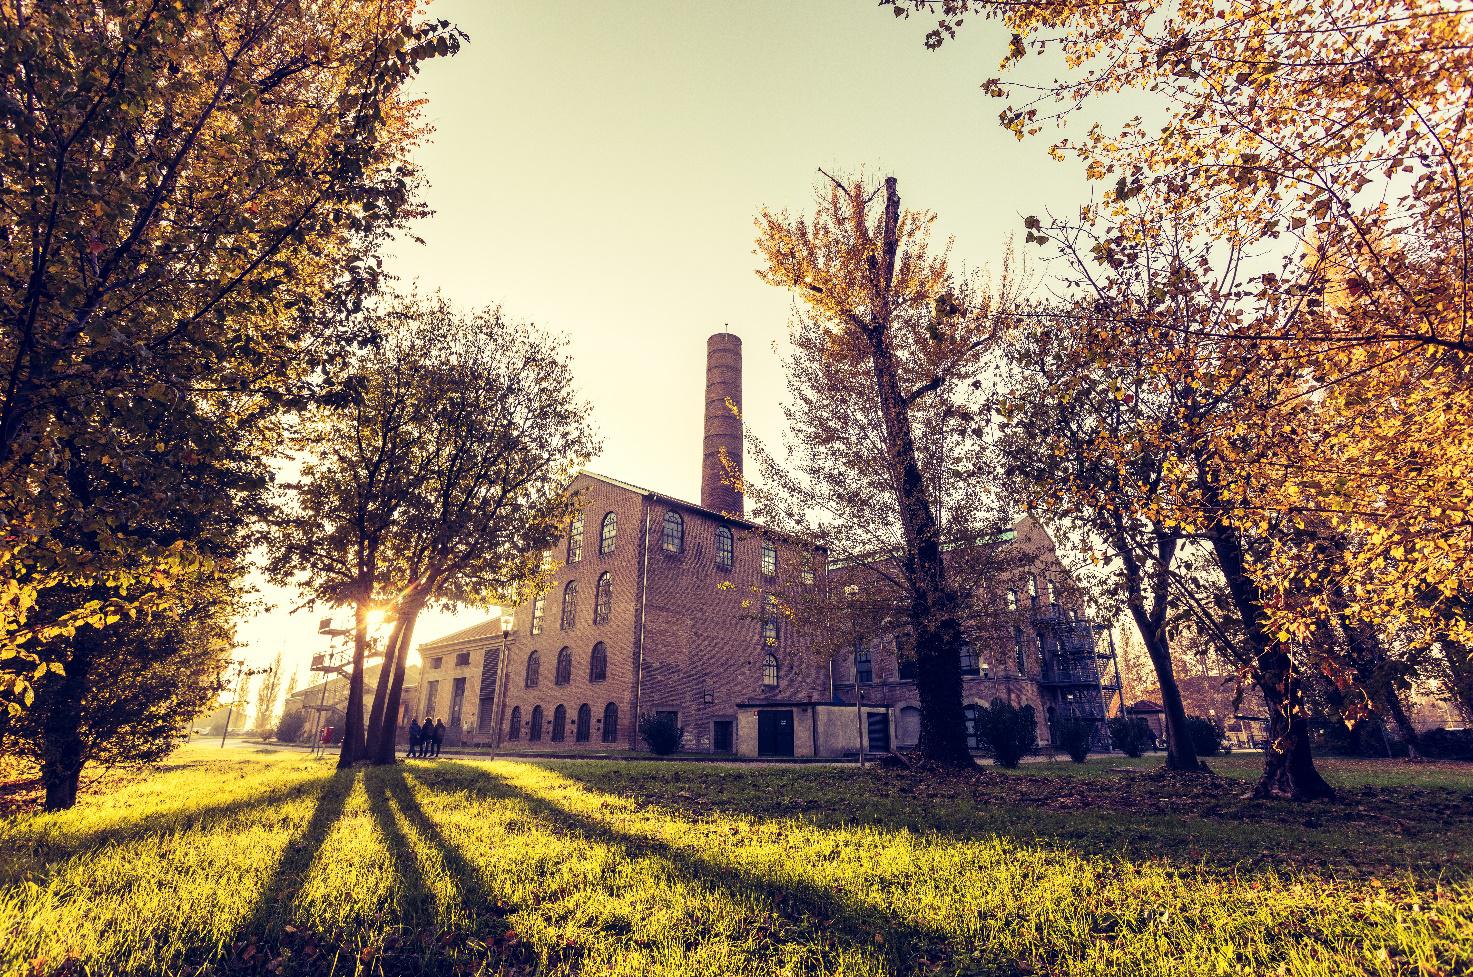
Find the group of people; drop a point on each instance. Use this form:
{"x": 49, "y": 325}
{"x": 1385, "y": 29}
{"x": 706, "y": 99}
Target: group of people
{"x": 424, "y": 741}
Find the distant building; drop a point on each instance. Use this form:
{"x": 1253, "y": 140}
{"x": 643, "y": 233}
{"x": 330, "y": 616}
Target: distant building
{"x": 326, "y": 701}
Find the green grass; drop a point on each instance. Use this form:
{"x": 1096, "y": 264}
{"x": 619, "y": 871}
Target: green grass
{"x": 240, "y": 861}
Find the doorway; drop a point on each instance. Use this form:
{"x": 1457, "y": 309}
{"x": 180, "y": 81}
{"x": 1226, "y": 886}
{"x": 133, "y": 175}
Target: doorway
{"x": 774, "y": 732}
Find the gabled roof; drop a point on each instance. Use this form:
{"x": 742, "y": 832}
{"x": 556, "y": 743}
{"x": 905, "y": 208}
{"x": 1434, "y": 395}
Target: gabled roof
{"x": 489, "y": 628}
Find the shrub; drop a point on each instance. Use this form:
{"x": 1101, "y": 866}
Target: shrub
{"x": 661, "y": 733}
{"x": 1130, "y": 734}
{"x": 1074, "y": 736}
{"x": 1206, "y": 735}
{"x": 292, "y": 726}
{"x": 1448, "y": 744}
{"x": 1008, "y": 730}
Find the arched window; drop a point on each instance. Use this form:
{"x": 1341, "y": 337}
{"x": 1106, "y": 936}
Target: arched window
{"x": 611, "y": 723}
{"x": 769, "y": 671}
{"x": 967, "y": 658}
{"x": 673, "y": 537}
{"x": 864, "y": 671}
{"x": 534, "y": 732}
{"x": 598, "y": 663}
{"x": 537, "y": 606}
{"x": 564, "y": 673}
{"x": 570, "y": 605}
{"x": 723, "y": 548}
{"x": 1012, "y": 600}
{"x": 608, "y": 534}
{"x": 1053, "y": 593}
{"x": 575, "y": 539}
{"x": 514, "y": 725}
{"x": 1018, "y": 653}
{"x": 972, "y": 724}
{"x": 1033, "y": 585}
{"x": 771, "y": 630}
{"x": 534, "y": 669}
{"x": 559, "y": 724}
{"x": 603, "y": 598}
{"x": 769, "y": 560}
{"x": 585, "y": 724}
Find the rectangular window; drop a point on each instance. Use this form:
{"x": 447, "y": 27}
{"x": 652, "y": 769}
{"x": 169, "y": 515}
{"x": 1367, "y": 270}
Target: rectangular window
{"x": 464, "y": 658}
{"x": 457, "y": 702}
{"x": 537, "y": 615}
{"x": 432, "y": 693}
{"x": 437, "y": 662}
{"x": 808, "y": 569}
{"x": 575, "y": 539}
{"x": 769, "y": 560}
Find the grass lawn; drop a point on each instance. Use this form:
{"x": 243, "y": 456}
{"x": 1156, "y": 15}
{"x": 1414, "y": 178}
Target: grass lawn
{"x": 242, "y": 861}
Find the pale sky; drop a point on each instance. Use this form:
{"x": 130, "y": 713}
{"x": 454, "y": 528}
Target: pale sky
{"x": 596, "y": 167}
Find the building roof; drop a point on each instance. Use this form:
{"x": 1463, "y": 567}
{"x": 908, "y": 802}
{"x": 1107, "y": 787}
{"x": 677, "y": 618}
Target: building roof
{"x": 489, "y": 628}
{"x": 722, "y": 516}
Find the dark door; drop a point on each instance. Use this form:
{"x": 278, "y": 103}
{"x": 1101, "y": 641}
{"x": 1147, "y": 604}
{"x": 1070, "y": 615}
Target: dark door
{"x": 879, "y": 732}
{"x": 774, "y": 732}
{"x": 721, "y": 736}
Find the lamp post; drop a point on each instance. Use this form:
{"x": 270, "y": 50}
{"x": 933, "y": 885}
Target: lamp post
{"x": 507, "y": 623}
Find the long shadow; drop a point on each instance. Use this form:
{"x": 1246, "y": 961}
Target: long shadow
{"x": 414, "y": 900}
{"x": 797, "y": 901}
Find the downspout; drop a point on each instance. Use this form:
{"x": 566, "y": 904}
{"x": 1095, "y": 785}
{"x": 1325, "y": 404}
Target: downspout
{"x": 644, "y": 588}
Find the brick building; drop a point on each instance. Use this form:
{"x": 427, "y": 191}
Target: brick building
{"x": 660, "y": 605}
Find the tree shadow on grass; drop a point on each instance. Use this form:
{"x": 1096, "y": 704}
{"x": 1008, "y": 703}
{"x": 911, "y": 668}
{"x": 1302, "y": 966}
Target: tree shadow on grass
{"x": 822, "y": 917}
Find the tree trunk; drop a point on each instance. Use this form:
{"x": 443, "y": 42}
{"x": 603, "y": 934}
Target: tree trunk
{"x": 1374, "y": 669}
{"x": 352, "y": 748}
{"x": 933, "y": 611}
{"x": 386, "y": 749}
{"x": 381, "y": 689}
{"x": 64, "y": 751}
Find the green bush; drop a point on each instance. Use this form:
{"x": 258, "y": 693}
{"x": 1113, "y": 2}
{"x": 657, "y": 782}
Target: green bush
{"x": 1008, "y": 730}
{"x": 661, "y": 734}
{"x": 292, "y": 726}
{"x": 1448, "y": 744}
{"x": 1130, "y": 734}
{"x": 1206, "y": 735}
{"x": 1074, "y": 737}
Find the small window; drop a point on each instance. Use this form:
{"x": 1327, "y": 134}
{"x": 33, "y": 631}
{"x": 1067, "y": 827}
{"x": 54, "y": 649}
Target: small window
{"x": 864, "y": 671}
{"x": 769, "y": 671}
{"x": 1018, "y": 653}
{"x": 437, "y": 662}
{"x": 972, "y": 724}
{"x": 673, "y": 538}
{"x": 807, "y": 569}
{"x": 608, "y": 534}
{"x": 575, "y": 539}
{"x": 769, "y": 560}
{"x": 514, "y": 724}
{"x": 967, "y": 658}
{"x": 534, "y": 732}
{"x": 570, "y": 605}
{"x": 771, "y": 628}
{"x": 559, "y": 724}
{"x": 723, "y": 548}
{"x": 463, "y": 658}
{"x": 564, "y": 673}
{"x": 537, "y": 607}
{"x": 611, "y": 723}
{"x": 585, "y": 724}
{"x": 534, "y": 670}
{"x": 603, "y": 598}
{"x": 1012, "y": 600}
{"x": 598, "y": 663}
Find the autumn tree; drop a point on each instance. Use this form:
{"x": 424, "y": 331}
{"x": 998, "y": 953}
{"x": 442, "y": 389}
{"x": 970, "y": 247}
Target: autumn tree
{"x": 193, "y": 192}
{"x": 889, "y": 344}
{"x": 266, "y": 696}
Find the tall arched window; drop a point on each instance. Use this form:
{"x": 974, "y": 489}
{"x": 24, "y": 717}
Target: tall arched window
{"x": 514, "y": 725}
{"x": 723, "y": 548}
{"x": 771, "y": 630}
{"x": 559, "y": 724}
{"x": 570, "y": 605}
{"x": 575, "y": 539}
{"x": 603, "y": 598}
{"x": 769, "y": 560}
{"x": 1012, "y": 600}
{"x": 607, "y": 534}
{"x": 534, "y": 669}
{"x": 673, "y": 537}
{"x": 864, "y": 670}
{"x": 968, "y": 659}
{"x": 769, "y": 671}
{"x": 598, "y": 663}
{"x": 972, "y": 724}
{"x": 611, "y": 723}
{"x": 537, "y": 606}
{"x": 585, "y": 724}
{"x": 564, "y": 673}
{"x": 1053, "y": 593}
{"x": 534, "y": 732}
{"x": 1018, "y": 653}
{"x": 1033, "y": 585}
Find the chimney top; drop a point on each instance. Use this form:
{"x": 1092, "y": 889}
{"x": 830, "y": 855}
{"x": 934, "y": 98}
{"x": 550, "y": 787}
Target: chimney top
{"x": 723, "y": 427}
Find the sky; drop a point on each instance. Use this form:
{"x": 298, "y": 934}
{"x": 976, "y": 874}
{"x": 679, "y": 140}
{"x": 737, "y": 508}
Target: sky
{"x": 596, "y": 166}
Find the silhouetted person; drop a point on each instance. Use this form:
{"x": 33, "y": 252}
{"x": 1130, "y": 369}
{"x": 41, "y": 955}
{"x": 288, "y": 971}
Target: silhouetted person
{"x": 439, "y": 736}
{"x": 414, "y": 738}
{"x": 426, "y": 734}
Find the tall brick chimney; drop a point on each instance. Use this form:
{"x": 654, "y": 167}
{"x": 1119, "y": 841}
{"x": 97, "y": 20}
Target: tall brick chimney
{"x": 723, "y": 428}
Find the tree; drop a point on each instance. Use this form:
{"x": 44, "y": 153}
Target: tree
{"x": 192, "y": 191}
{"x": 886, "y": 317}
{"x": 266, "y": 696}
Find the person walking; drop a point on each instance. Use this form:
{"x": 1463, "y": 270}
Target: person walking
{"x": 414, "y": 738}
{"x": 439, "y": 736}
{"x": 426, "y": 733}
